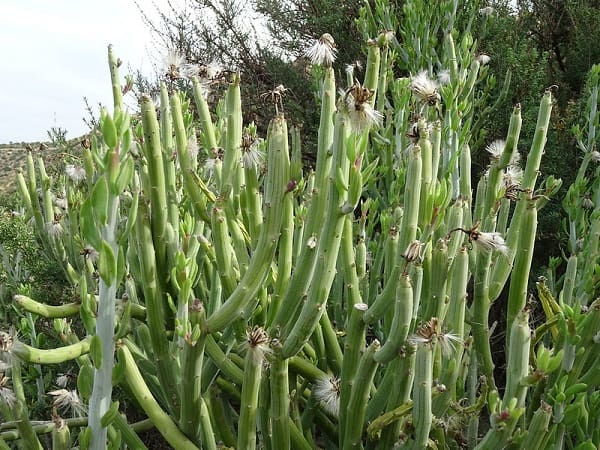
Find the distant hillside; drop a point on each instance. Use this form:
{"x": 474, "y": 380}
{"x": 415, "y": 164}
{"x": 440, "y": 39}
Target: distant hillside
{"x": 13, "y": 157}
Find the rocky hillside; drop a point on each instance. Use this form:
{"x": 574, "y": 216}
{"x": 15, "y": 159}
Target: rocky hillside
{"x": 13, "y": 157}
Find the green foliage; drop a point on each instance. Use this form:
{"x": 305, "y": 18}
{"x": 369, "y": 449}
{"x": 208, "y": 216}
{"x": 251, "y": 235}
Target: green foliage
{"x": 246, "y": 299}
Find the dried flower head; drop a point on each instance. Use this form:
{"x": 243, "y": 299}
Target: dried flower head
{"x": 62, "y": 380}
{"x": 323, "y": 51}
{"x": 90, "y": 253}
{"x": 350, "y": 68}
{"x": 362, "y": 116}
{"x": 75, "y": 173}
{"x": 488, "y": 242}
{"x": 587, "y": 202}
{"x": 385, "y": 37}
{"x": 483, "y": 59}
{"x": 487, "y": 11}
{"x": 513, "y": 176}
{"x": 8, "y": 341}
{"x": 495, "y": 149}
{"x": 7, "y": 396}
{"x": 54, "y": 228}
{"x": 66, "y": 400}
{"x": 327, "y": 392}
{"x": 443, "y": 77}
{"x": 425, "y": 88}
{"x": 212, "y": 70}
{"x": 431, "y": 332}
{"x": 257, "y": 341}
{"x": 252, "y": 155}
{"x": 61, "y": 203}
{"x": 413, "y": 251}
{"x": 173, "y": 62}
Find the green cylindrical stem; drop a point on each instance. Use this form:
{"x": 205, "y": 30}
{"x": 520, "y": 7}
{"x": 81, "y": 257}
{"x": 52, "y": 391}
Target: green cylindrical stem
{"x": 357, "y": 403}
{"x": 349, "y": 264}
{"x": 61, "y": 437}
{"x": 306, "y": 369}
{"x": 47, "y": 311}
{"x": 229, "y": 369}
{"x": 155, "y": 181}
{"x": 114, "y": 78}
{"x": 280, "y": 404}
{"x": 185, "y": 159}
{"x": 191, "y": 383}
{"x": 305, "y": 264}
{"x": 517, "y": 365}
{"x": 285, "y": 258}
{"x": 159, "y": 418}
{"x": 249, "y": 400}
{"x": 250, "y": 200}
{"x": 403, "y": 309}
{"x": 425, "y": 197}
{"x": 230, "y": 181}
{"x": 354, "y": 347}
{"x": 434, "y": 303}
{"x": 207, "y": 436}
{"x": 154, "y": 298}
{"x": 372, "y": 69}
{"x": 408, "y": 228}
{"x": 328, "y": 247}
{"x": 455, "y": 323}
{"x": 208, "y": 128}
{"x": 224, "y": 253}
{"x": 128, "y": 433}
{"x": 422, "y": 417}
{"x": 381, "y": 303}
{"x": 568, "y": 286}
{"x": 169, "y": 152}
{"x": 517, "y": 294}
{"x": 481, "y": 310}
{"x": 20, "y": 411}
{"x": 332, "y": 345}
{"x": 275, "y": 190}
{"x": 503, "y": 266}
{"x": 222, "y": 423}
{"x": 54, "y": 356}
{"x": 538, "y": 428}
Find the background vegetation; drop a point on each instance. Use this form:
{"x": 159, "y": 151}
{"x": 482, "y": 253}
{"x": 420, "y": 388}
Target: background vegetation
{"x": 532, "y": 46}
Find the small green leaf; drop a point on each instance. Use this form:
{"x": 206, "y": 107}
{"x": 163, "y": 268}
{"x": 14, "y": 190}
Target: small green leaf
{"x": 109, "y": 131}
{"x": 87, "y": 313}
{"x": 87, "y": 224}
{"x": 100, "y": 201}
{"x": 110, "y": 415}
{"x": 125, "y": 175}
{"x": 123, "y": 324}
{"x": 131, "y": 218}
{"x": 107, "y": 264}
{"x": 85, "y": 438}
{"x": 121, "y": 266}
{"x": 119, "y": 368}
{"x": 85, "y": 381}
{"x": 96, "y": 351}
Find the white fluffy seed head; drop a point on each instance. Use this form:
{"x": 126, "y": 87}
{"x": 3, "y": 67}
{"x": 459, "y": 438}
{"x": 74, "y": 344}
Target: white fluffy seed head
{"x": 66, "y": 400}
{"x": 323, "y": 51}
{"x": 490, "y": 242}
{"x": 327, "y": 392}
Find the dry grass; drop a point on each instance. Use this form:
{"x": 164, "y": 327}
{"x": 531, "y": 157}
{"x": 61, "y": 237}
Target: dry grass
{"x": 13, "y": 157}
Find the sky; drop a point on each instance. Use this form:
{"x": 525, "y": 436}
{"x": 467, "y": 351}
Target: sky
{"x": 54, "y": 53}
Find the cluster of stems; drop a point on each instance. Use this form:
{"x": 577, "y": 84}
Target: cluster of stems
{"x": 244, "y": 302}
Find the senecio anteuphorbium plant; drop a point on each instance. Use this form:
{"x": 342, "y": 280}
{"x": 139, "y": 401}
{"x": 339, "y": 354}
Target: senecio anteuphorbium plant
{"x": 257, "y": 304}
